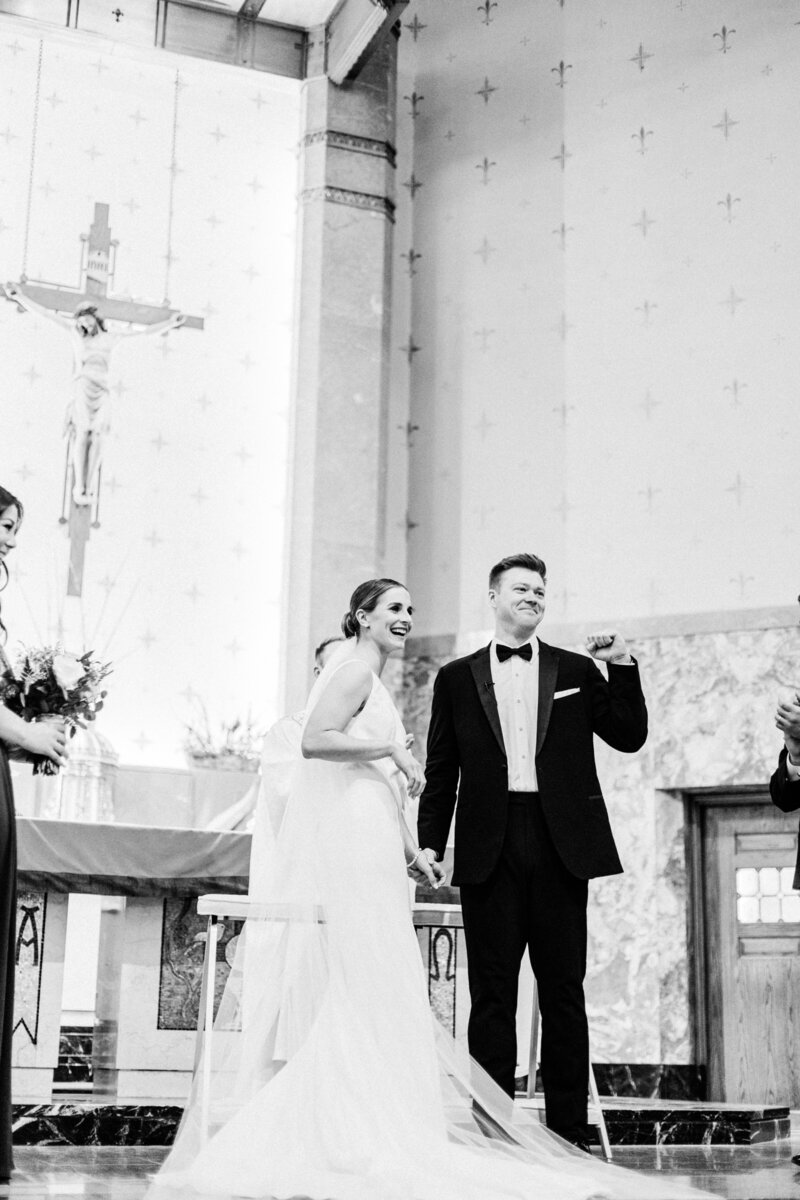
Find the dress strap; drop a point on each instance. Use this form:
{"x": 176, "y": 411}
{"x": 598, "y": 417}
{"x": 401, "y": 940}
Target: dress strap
{"x": 347, "y": 663}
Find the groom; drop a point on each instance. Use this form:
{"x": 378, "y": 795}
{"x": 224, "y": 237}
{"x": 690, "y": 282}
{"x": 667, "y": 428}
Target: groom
{"x": 511, "y": 737}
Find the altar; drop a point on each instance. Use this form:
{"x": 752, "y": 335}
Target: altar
{"x": 150, "y": 953}
{"x": 150, "y": 948}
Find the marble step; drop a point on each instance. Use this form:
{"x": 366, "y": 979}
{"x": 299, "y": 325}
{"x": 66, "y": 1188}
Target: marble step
{"x": 75, "y": 1069}
{"x": 84, "y": 1122}
{"x": 635, "y": 1122}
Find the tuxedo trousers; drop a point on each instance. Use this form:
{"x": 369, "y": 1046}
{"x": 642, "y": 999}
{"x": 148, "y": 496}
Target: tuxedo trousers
{"x": 530, "y": 901}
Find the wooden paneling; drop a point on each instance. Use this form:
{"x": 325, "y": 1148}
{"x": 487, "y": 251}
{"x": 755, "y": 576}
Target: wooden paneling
{"x": 752, "y": 968}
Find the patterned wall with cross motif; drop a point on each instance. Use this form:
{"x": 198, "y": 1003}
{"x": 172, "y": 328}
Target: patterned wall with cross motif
{"x": 596, "y": 302}
{"x": 182, "y": 579}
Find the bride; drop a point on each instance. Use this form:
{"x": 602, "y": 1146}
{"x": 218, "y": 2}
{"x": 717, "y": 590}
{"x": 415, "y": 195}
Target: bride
{"x": 331, "y": 1079}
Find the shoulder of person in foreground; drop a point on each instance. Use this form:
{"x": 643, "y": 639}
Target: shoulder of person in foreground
{"x": 783, "y": 789}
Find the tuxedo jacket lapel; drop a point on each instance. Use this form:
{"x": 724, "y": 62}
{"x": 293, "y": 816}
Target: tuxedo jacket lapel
{"x": 548, "y": 672}
{"x": 482, "y": 673}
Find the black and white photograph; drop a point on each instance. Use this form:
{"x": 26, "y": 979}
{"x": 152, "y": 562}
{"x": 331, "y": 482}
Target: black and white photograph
{"x": 399, "y": 600}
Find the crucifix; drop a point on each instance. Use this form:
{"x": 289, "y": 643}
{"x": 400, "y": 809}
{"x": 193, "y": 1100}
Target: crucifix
{"x": 84, "y": 311}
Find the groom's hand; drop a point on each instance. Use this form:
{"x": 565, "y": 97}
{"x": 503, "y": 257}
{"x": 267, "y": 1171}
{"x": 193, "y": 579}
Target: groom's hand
{"x": 436, "y": 867}
{"x": 608, "y": 646}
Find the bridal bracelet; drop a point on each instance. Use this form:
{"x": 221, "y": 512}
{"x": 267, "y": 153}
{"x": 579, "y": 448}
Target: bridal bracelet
{"x": 411, "y": 862}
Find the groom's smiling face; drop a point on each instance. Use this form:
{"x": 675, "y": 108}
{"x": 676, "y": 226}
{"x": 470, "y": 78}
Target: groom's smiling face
{"x": 518, "y": 601}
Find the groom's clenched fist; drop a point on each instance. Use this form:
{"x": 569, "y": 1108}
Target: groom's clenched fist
{"x": 609, "y": 646}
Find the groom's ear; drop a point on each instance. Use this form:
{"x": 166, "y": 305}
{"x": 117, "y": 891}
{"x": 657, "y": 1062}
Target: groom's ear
{"x": 493, "y": 597}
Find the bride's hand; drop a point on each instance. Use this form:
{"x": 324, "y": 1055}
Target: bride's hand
{"x": 422, "y": 870}
{"x": 405, "y": 762}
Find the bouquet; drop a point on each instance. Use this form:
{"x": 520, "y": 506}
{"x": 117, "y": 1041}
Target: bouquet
{"x": 48, "y": 682}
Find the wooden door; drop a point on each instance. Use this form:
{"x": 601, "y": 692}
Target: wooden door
{"x": 752, "y": 933}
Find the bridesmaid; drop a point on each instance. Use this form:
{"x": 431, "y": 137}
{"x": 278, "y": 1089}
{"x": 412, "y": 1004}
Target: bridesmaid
{"x": 48, "y": 739}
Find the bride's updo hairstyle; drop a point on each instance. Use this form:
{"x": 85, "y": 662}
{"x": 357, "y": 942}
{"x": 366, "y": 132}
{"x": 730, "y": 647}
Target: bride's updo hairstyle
{"x": 364, "y": 599}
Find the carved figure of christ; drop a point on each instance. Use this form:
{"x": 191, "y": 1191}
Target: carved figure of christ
{"x": 87, "y": 421}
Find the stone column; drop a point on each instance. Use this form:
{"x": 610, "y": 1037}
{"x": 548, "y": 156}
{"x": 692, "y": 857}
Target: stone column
{"x": 337, "y": 509}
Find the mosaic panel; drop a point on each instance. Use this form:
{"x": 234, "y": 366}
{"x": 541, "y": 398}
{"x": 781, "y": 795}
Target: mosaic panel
{"x": 442, "y": 960}
{"x": 29, "y": 958}
{"x": 183, "y": 938}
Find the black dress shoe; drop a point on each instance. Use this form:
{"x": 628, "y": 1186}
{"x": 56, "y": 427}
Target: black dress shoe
{"x": 796, "y": 1159}
{"x": 579, "y": 1143}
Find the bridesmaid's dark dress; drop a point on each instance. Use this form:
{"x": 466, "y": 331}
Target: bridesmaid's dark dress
{"x": 8, "y": 920}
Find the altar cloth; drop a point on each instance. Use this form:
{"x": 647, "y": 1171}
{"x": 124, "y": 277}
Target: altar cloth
{"x": 130, "y": 860}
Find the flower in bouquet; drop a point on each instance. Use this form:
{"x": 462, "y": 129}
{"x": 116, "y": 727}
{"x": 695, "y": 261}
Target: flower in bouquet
{"x": 50, "y": 682}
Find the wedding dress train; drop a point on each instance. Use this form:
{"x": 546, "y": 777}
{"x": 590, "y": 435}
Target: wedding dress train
{"x": 333, "y": 1079}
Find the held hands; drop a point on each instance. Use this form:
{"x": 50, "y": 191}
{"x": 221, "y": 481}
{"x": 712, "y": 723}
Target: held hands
{"x": 424, "y": 868}
{"x": 787, "y": 719}
{"x": 48, "y": 738}
{"x": 405, "y": 762}
{"x": 609, "y": 646}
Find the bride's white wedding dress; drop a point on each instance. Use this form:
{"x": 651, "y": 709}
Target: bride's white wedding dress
{"x": 334, "y": 1080}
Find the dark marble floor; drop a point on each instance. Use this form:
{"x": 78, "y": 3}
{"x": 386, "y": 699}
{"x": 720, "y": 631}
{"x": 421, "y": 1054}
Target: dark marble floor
{"x": 760, "y": 1172}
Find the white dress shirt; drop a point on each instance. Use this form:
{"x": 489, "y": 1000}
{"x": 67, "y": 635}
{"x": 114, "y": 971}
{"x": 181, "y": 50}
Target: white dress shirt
{"x": 516, "y": 690}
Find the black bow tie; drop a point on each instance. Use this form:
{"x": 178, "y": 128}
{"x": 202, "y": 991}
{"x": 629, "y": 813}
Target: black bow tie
{"x": 504, "y": 652}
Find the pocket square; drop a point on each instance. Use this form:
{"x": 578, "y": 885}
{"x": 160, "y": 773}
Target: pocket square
{"x": 566, "y": 692}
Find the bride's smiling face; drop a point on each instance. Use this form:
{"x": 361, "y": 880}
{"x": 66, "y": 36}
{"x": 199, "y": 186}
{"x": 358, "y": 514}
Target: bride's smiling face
{"x": 391, "y": 620}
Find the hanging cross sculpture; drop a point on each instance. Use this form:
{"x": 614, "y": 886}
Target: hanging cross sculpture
{"x": 84, "y": 311}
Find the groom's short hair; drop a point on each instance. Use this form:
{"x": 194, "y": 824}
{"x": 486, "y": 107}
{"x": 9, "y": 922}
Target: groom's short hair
{"x": 529, "y": 561}
{"x": 323, "y": 646}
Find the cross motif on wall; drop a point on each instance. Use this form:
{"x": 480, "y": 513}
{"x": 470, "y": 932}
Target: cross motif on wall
{"x": 734, "y": 388}
{"x": 562, "y": 156}
{"x": 738, "y": 487}
{"x": 410, "y": 349}
{"x": 641, "y": 137}
{"x": 728, "y": 204}
{"x": 725, "y": 123}
{"x": 646, "y": 308}
{"x": 486, "y": 90}
{"x": 485, "y": 250}
{"x": 732, "y": 301}
{"x": 563, "y": 409}
{"x": 415, "y": 27}
{"x": 644, "y": 223}
{"x": 741, "y": 580}
{"x": 409, "y": 429}
{"x": 562, "y": 232}
{"x": 648, "y": 404}
{"x": 641, "y": 57}
{"x": 413, "y": 185}
{"x": 412, "y": 258}
{"x": 486, "y": 167}
{"x": 650, "y": 494}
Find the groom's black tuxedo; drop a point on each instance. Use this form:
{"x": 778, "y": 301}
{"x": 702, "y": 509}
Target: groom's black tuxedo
{"x": 466, "y": 757}
{"x": 522, "y": 859}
